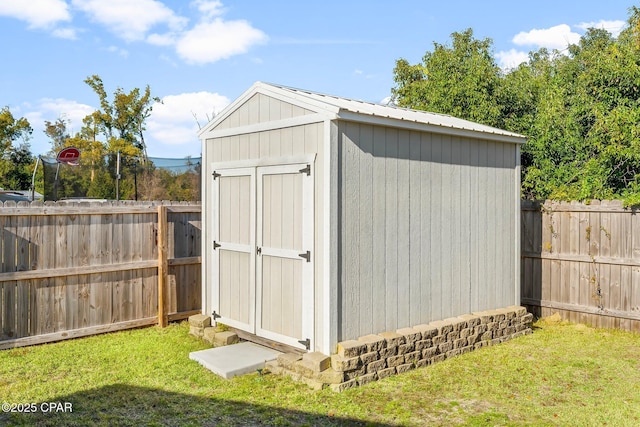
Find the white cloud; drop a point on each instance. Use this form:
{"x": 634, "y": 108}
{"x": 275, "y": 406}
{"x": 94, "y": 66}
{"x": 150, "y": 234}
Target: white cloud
{"x": 72, "y": 111}
{"x": 209, "y": 8}
{"x": 166, "y": 39}
{"x": 51, "y": 109}
{"x": 508, "y": 60}
{"x": 211, "y": 41}
{"x": 557, "y": 37}
{"x": 208, "y": 40}
{"x": 65, "y": 33}
{"x": 614, "y": 27}
{"x": 172, "y": 128}
{"x": 130, "y": 20}
{"x": 37, "y": 13}
{"x": 119, "y": 51}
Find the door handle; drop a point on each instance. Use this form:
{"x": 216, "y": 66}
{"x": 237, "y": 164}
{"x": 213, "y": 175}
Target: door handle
{"x": 258, "y": 250}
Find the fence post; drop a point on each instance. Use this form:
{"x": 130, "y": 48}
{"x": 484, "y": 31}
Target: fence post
{"x": 163, "y": 267}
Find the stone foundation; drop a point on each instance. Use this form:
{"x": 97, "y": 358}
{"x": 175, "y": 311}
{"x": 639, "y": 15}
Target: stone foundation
{"x": 373, "y": 357}
{"x": 200, "y": 326}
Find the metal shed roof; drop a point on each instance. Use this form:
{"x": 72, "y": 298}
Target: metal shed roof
{"x": 355, "y": 110}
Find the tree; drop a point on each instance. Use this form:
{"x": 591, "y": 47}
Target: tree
{"x": 16, "y": 159}
{"x": 461, "y": 80}
{"x": 12, "y": 130}
{"x": 88, "y": 178}
{"x": 583, "y": 141}
{"x": 57, "y": 132}
{"x": 122, "y": 120}
{"x": 580, "y": 108}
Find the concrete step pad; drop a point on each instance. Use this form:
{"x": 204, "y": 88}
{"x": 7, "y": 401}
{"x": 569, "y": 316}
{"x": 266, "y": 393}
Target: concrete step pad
{"x": 237, "y": 359}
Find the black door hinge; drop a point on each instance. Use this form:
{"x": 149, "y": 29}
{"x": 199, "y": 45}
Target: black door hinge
{"x": 215, "y": 315}
{"x": 306, "y": 255}
{"x": 216, "y": 175}
{"x": 306, "y": 343}
{"x": 215, "y": 245}
{"x": 306, "y": 170}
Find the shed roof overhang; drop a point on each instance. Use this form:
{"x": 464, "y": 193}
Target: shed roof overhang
{"x": 327, "y": 107}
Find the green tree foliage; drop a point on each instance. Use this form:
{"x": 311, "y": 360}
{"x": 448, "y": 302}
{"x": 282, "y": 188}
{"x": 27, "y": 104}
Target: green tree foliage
{"x": 95, "y": 176}
{"x": 122, "y": 120}
{"x": 461, "y": 79}
{"x": 16, "y": 161}
{"x": 580, "y": 109}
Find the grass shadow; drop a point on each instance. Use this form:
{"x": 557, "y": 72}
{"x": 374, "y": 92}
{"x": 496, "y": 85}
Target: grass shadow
{"x": 127, "y": 405}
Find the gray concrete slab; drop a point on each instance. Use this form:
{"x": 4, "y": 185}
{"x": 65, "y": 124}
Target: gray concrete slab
{"x": 237, "y": 359}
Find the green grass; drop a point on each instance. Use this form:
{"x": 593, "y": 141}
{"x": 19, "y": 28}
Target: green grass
{"x": 560, "y": 375}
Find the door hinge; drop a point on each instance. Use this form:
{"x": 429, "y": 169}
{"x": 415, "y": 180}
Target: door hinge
{"x": 215, "y": 315}
{"x": 306, "y": 343}
{"x": 306, "y": 255}
{"x": 306, "y": 170}
{"x": 216, "y": 175}
{"x": 215, "y": 245}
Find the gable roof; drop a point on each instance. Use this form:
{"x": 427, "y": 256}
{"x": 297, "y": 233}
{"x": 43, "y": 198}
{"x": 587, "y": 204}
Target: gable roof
{"x": 335, "y": 107}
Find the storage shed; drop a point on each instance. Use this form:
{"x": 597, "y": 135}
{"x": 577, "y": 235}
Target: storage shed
{"x": 326, "y": 218}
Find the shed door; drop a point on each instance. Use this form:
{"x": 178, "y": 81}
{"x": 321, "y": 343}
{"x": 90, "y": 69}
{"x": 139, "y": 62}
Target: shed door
{"x": 263, "y": 251}
{"x": 234, "y": 247}
{"x": 284, "y": 265}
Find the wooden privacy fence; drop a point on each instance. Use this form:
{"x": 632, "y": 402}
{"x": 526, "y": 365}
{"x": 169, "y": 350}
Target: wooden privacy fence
{"x": 583, "y": 261}
{"x": 77, "y": 269}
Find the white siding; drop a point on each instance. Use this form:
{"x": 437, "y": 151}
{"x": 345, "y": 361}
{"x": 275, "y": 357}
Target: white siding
{"x": 260, "y": 109}
{"x": 270, "y": 144}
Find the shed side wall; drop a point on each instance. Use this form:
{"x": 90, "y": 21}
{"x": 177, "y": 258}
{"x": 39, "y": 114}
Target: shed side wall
{"x": 427, "y": 227}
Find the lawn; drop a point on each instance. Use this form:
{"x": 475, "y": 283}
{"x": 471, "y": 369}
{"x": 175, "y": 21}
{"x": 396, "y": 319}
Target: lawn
{"x": 560, "y": 375}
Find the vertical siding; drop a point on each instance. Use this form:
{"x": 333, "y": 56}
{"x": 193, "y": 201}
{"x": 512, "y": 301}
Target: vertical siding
{"x": 378, "y": 231}
{"x": 306, "y": 139}
{"x": 260, "y": 109}
{"x": 427, "y": 227}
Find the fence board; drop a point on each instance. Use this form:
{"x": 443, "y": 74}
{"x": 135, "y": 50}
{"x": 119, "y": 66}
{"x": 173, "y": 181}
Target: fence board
{"x": 587, "y": 265}
{"x": 72, "y": 269}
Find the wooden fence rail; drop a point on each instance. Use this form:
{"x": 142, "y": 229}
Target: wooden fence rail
{"x": 76, "y": 269}
{"x": 583, "y": 261}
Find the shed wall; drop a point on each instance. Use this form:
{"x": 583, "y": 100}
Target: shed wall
{"x": 427, "y": 227}
{"x": 272, "y": 144}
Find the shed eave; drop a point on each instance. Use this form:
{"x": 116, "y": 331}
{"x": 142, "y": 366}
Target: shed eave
{"x": 430, "y": 127}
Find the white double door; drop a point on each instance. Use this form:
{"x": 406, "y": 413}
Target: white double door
{"x": 263, "y": 262}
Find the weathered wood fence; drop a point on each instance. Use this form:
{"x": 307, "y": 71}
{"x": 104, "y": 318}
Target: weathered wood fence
{"x": 77, "y": 269}
{"x": 582, "y": 261}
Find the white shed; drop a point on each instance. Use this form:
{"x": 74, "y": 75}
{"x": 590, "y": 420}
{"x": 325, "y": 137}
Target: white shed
{"x": 326, "y": 218}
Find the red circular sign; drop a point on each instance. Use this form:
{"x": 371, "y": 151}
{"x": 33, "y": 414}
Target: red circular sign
{"x": 69, "y": 155}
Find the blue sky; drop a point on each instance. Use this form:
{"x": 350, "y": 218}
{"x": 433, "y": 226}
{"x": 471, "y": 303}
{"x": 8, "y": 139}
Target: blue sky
{"x": 200, "y": 55}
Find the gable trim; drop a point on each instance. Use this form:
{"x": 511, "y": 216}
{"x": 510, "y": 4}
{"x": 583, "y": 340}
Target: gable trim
{"x": 265, "y": 126}
{"x": 273, "y": 92}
